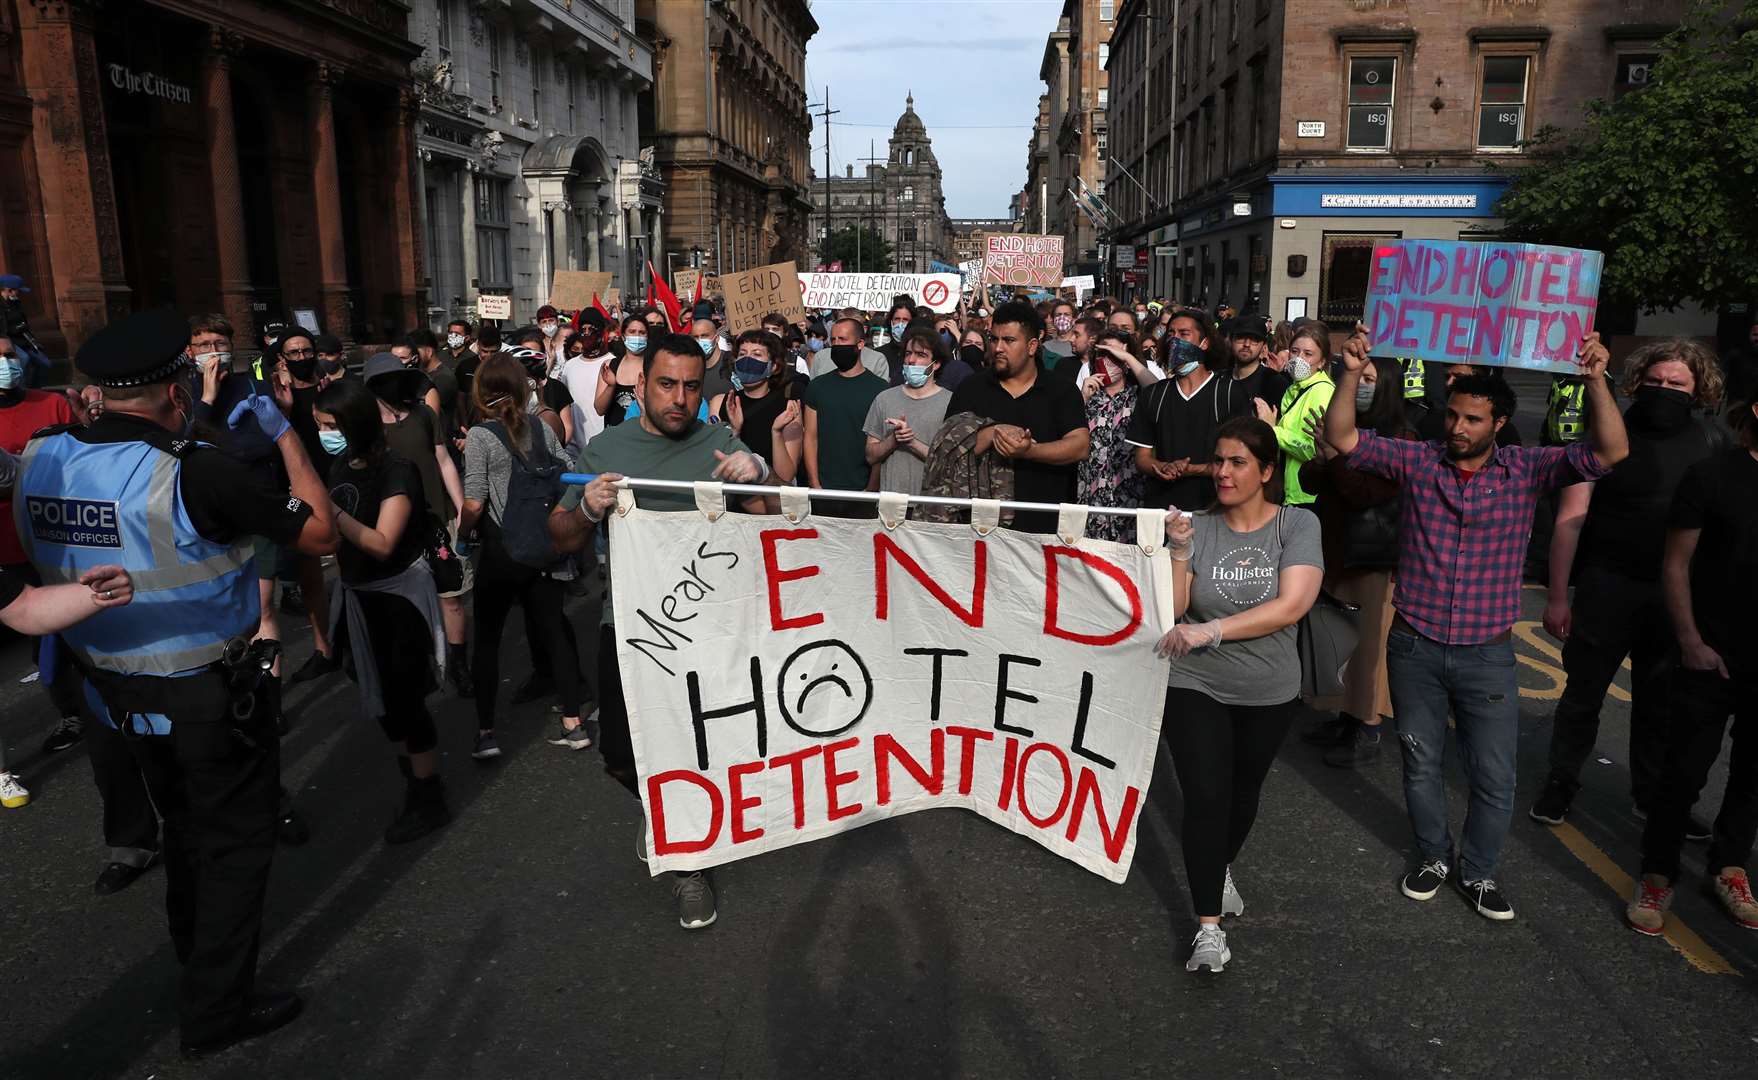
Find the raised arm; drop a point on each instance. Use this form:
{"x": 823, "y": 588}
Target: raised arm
{"x": 1340, "y": 429}
{"x": 1605, "y": 424}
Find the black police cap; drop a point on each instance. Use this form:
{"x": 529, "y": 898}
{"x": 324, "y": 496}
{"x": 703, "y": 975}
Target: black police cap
{"x": 136, "y": 350}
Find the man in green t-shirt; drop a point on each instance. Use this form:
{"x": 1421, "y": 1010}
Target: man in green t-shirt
{"x": 666, "y": 442}
{"x": 836, "y": 446}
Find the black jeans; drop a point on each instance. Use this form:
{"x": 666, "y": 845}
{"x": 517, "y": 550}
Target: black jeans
{"x": 613, "y": 715}
{"x": 1222, "y": 754}
{"x": 1614, "y": 617}
{"x": 1701, "y": 703}
{"x": 501, "y": 583}
{"x": 131, "y": 826}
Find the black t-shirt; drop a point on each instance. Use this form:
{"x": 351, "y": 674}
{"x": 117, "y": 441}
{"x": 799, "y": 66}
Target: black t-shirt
{"x": 224, "y": 497}
{"x": 413, "y": 439}
{"x": 304, "y": 423}
{"x": 1716, "y": 497}
{"x": 1048, "y": 410}
{"x": 1175, "y": 427}
{"x": 359, "y": 492}
{"x": 1625, "y": 530}
{"x": 555, "y": 395}
{"x": 11, "y": 587}
{"x": 1235, "y": 395}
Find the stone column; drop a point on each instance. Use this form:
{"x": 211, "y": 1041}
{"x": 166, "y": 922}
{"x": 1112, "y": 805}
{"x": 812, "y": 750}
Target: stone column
{"x": 64, "y": 82}
{"x": 467, "y": 197}
{"x": 326, "y": 188}
{"x": 230, "y": 242}
{"x": 406, "y": 201}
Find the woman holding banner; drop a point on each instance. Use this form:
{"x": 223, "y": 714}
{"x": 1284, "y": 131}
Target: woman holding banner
{"x": 1244, "y": 574}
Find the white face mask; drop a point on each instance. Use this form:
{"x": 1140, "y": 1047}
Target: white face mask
{"x": 1300, "y": 368}
{"x": 454, "y": 341}
{"x": 548, "y": 328}
{"x": 223, "y": 358}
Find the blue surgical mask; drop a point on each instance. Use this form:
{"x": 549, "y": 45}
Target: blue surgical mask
{"x": 707, "y": 346}
{"x": 11, "y": 373}
{"x": 635, "y": 344}
{"x": 334, "y": 442}
{"x": 1187, "y": 367}
{"x": 815, "y": 343}
{"x": 897, "y": 330}
{"x": 915, "y": 375}
{"x": 1364, "y": 394}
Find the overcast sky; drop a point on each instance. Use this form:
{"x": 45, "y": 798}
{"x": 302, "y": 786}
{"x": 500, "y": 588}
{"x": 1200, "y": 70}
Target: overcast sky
{"x": 973, "y": 66}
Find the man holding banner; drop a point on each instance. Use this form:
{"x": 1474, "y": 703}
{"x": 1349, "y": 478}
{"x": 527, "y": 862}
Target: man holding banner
{"x": 1467, "y": 513}
{"x": 666, "y": 442}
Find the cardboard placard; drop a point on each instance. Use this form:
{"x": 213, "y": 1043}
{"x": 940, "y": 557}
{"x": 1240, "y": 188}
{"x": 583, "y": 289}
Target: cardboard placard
{"x": 683, "y": 283}
{"x": 573, "y": 289}
{"x": 1022, "y": 259}
{"x": 754, "y": 293}
{"x": 874, "y": 292}
{"x": 493, "y": 307}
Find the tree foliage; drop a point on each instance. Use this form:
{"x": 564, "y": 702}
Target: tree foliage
{"x": 860, "y": 250}
{"x": 1664, "y": 180}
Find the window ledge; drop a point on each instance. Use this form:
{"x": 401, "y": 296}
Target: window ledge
{"x": 1480, "y": 34}
{"x": 1346, "y": 35}
{"x": 1621, "y": 32}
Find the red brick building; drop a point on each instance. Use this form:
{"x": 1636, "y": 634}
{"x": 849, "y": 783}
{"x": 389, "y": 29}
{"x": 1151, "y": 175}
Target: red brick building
{"x": 255, "y": 157}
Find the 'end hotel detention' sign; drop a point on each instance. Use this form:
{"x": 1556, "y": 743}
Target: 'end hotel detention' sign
{"x": 1507, "y": 305}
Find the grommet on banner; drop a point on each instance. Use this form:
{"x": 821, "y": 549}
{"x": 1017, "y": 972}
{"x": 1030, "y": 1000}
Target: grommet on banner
{"x": 796, "y": 504}
{"x": 1150, "y": 529}
{"x": 1071, "y": 523}
{"x": 894, "y": 507}
{"x": 625, "y": 501}
{"x": 711, "y": 499}
{"x": 985, "y": 515}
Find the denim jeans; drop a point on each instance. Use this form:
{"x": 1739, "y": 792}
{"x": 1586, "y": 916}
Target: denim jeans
{"x": 1478, "y": 684}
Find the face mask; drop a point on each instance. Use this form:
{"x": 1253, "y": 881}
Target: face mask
{"x": 915, "y": 375}
{"x": 1062, "y": 323}
{"x": 11, "y": 373}
{"x": 749, "y": 371}
{"x": 814, "y": 344}
{"x": 707, "y": 345}
{"x": 224, "y": 359}
{"x": 845, "y": 356}
{"x": 1300, "y": 369}
{"x": 1141, "y": 315}
{"x": 635, "y": 344}
{"x": 334, "y": 442}
{"x": 548, "y": 328}
{"x": 1364, "y": 394}
{"x": 1183, "y": 356}
{"x": 303, "y": 370}
{"x": 454, "y": 341}
{"x": 897, "y": 330}
{"x": 1660, "y": 408}
{"x": 328, "y": 368}
{"x": 972, "y": 355}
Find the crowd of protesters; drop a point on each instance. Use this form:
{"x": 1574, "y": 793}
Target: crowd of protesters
{"x": 1397, "y": 489}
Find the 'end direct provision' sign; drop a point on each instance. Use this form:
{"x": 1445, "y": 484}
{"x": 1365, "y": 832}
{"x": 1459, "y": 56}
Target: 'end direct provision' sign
{"x": 1508, "y": 305}
{"x": 874, "y": 292}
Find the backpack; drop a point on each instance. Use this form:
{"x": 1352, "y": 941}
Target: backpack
{"x": 532, "y": 492}
{"x": 954, "y": 469}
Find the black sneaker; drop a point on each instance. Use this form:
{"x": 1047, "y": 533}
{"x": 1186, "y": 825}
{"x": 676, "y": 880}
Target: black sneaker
{"x": 316, "y": 667}
{"x": 69, "y": 730}
{"x": 1424, "y": 881}
{"x": 537, "y": 686}
{"x": 1330, "y": 730}
{"x": 1697, "y": 831}
{"x": 1553, "y": 804}
{"x": 1363, "y": 746}
{"x": 1486, "y": 897}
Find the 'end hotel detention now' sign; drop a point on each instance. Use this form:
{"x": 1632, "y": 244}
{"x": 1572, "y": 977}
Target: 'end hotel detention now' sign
{"x": 1506, "y": 305}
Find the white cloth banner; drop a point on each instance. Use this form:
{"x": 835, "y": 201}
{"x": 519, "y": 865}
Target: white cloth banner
{"x": 874, "y": 292}
{"x": 790, "y": 680}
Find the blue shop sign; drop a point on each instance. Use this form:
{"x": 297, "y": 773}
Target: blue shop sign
{"x": 1364, "y": 196}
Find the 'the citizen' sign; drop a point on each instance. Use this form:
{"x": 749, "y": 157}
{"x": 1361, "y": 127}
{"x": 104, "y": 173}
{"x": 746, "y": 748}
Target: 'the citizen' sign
{"x": 145, "y": 82}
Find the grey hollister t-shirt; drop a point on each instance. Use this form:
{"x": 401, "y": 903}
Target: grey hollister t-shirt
{"x": 1235, "y": 572}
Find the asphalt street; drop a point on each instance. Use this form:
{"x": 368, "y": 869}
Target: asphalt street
{"x": 526, "y": 940}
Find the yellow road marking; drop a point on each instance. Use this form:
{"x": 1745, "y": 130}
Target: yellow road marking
{"x": 1527, "y": 631}
{"x": 1694, "y": 949}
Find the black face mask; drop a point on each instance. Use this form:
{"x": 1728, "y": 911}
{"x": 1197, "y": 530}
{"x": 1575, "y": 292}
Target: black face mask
{"x": 1659, "y": 409}
{"x": 845, "y": 356}
{"x": 303, "y": 370}
{"x": 972, "y": 355}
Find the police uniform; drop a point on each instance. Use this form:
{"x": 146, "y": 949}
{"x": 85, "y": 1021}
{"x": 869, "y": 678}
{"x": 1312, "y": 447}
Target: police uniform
{"x": 172, "y": 671}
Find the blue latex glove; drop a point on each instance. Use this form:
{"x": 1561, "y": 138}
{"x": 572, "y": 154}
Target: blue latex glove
{"x": 267, "y": 413}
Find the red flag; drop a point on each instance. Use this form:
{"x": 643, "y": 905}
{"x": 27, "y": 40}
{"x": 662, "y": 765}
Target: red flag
{"x": 649, "y": 302}
{"x": 697, "y": 299}
{"x": 602, "y": 310}
{"x": 667, "y": 299}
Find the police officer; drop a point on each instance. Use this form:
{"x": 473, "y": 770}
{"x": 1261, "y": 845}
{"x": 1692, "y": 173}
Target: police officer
{"x": 174, "y": 672}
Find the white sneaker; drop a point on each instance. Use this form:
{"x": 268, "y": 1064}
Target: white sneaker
{"x": 1209, "y": 950}
{"x": 12, "y": 793}
{"x": 1231, "y": 902}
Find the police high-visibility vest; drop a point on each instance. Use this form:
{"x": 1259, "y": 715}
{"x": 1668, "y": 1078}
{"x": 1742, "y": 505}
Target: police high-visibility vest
{"x": 1565, "y": 418}
{"x": 1414, "y": 370}
{"x": 81, "y": 505}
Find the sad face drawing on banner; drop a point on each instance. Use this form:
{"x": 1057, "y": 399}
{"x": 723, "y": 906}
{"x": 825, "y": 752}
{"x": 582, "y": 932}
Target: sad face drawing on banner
{"x": 824, "y": 689}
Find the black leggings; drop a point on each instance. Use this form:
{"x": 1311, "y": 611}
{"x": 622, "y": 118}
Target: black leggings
{"x": 500, "y": 584}
{"x": 1222, "y": 754}
{"x": 613, "y": 715}
{"x": 402, "y": 647}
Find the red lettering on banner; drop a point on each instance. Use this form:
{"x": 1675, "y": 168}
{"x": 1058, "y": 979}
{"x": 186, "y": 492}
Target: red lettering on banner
{"x": 1385, "y": 265}
{"x": 1025, "y": 760}
{"x": 1552, "y": 281}
{"x": 1464, "y": 270}
{"x": 971, "y": 616}
{"x": 968, "y": 756}
{"x": 777, "y": 577}
{"x": 1499, "y": 289}
{"x": 886, "y": 749}
{"x": 1009, "y": 762}
{"x": 796, "y": 766}
{"x": 1086, "y": 790}
{"x": 665, "y": 845}
{"x": 735, "y": 794}
{"x": 834, "y": 780}
{"x": 1529, "y": 261}
{"x": 1576, "y": 267}
{"x": 1490, "y": 331}
{"x": 1052, "y": 596}
{"x": 1410, "y": 269}
{"x": 1403, "y": 326}
{"x": 1458, "y": 330}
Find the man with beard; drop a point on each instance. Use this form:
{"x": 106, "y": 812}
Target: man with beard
{"x": 1466, "y": 513}
{"x": 665, "y": 442}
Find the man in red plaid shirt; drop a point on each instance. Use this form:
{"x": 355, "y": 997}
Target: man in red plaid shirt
{"x": 1466, "y": 518}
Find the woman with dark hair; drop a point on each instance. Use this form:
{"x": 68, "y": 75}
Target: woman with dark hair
{"x": 617, "y": 379}
{"x": 763, "y": 406}
{"x": 1358, "y": 515}
{"x": 1244, "y": 573}
{"x": 385, "y": 611}
{"x": 1107, "y": 476}
{"x": 508, "y": 429}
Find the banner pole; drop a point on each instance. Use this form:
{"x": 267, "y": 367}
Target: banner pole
{"x": 572, "y": 478}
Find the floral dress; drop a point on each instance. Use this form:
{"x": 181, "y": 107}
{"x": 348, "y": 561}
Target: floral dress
{"x": 1108, "y": 476}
